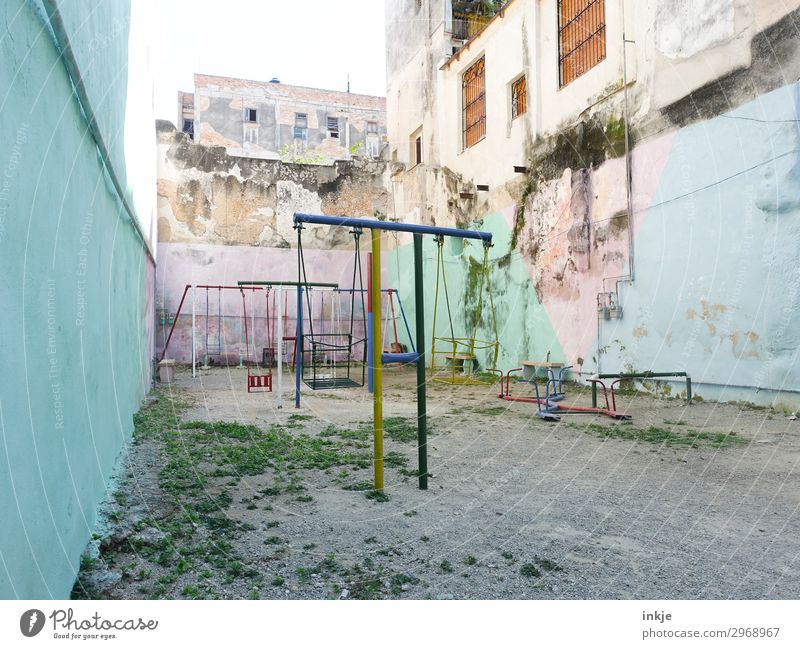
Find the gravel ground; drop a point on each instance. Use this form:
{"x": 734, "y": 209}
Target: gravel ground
{"x": 517, "y": 508}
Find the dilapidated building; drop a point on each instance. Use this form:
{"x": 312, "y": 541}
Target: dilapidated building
{"x": 638, "y": 164}
{"x": 259, "y": 119}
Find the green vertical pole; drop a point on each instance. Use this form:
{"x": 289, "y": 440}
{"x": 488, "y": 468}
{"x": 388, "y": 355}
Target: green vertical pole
{"x": 422, "y": 415}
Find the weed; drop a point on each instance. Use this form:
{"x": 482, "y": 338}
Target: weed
{"x": 395, "y": 460}
{"x": 446, "y": 566}
{"x": 304, "y": 499}
{"x": 530, "y": 570}
{"x": 507, "y": 555}
{"x": 277, "y": 580}
{"x": 377, "y": 495}
{"x": 548, "y": 565}
{"x": 470, "y": 560}
{"x": 273, "y": 540}
{"x": 273, "y": 524}
{"x": 424, "y": 539}
{"x": 358, "y": 486}
{"x": 399, "y": 580}
{"x": 371, "y": 539}
{"x": 411, "y": 512}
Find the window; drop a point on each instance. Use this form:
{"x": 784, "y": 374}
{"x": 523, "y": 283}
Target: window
{"x": 519, "y": 97}
{"x": 250, "y": 115}
{"x": 300, "y": 126}
{"x": 333, "y": 126}
{"x": 581, "y": 37}
{"x": 372, "y": 127}
{"x": 415, "y": 147}
{"x": 188, "y": 127}
{"x": 473, "y": 91}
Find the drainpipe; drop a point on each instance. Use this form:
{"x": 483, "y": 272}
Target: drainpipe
{"x": 64, "y": 48}
{"x": 628, "y": 166}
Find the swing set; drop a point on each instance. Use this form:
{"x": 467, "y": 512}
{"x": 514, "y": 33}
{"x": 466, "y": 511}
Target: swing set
{"x": 377, "y": 357}
{"x": 453, "y": 358}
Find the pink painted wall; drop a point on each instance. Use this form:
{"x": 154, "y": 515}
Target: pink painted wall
{"x": 198, "y": 264}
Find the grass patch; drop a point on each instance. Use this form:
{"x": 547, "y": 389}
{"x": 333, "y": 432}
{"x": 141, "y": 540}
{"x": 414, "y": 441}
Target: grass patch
{"x": 377, "y": 495}
{"x": 663, "y": 436}
{"x": 358, "y": 486}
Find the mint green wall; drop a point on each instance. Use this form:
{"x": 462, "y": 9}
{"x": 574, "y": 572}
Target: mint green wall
{"x": 73, "y": 343}
{"x": 523, "y": 327}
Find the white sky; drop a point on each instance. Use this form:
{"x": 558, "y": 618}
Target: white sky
{"x": 302, "y": 42}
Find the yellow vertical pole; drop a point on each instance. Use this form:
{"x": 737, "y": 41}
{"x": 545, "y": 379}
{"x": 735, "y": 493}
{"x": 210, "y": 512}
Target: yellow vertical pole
{"x": 377, "y": 349}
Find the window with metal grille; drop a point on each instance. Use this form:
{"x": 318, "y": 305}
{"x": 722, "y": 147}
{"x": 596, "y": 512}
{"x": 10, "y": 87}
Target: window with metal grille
{"x": 519, "y": 99}
{"x": 473, "y": 91}
{"x": 300, "y": 126}
{"x": 333, "y": 126}
{"x": 581, "y": 37}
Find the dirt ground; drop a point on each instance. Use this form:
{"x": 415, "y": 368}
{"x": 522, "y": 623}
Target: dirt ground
{"x": 678, "y": 503}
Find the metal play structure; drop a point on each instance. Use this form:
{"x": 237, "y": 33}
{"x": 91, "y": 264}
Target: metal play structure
{"x": 336, "y": 358}
{"x": 377, "y": 356}
{"x": 453, "y": 358}
{"x": 550, "y": 405}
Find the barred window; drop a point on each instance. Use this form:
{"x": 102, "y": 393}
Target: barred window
{"x": 300, "y": 126}
{"x": 581, "y": 37}
{"x": 474, "y": 102}
{"x": 519, "y": 99}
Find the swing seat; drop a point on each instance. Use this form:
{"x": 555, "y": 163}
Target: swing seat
{"x": 259, "y": 382}
{"x": 458, "y": 360}
{"x": 407, "y": 357}
{"x": 331, "y": 383}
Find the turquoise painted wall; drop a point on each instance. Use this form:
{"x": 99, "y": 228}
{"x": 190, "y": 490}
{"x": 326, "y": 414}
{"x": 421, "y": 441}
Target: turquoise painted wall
{"x": 73, "y": 341}
{"x": 523, "y": 328}
{"x": 717, "y": 285}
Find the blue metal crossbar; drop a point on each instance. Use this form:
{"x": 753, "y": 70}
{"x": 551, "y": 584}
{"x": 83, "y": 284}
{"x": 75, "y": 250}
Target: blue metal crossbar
{"x": 374, "y": 224}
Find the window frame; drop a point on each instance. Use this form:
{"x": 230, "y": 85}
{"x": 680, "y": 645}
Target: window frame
{"x": 247, "y": 112}
{"x": 300, "y": 129}
{"x": 516, "y": 95}
{"x": 331, "y": 131}
{"x": 473, "y": 128}
{"x": 586, "y": 51}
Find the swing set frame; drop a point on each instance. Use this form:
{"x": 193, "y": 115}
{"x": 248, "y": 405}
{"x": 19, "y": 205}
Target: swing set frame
{"x": 377, "y": 357}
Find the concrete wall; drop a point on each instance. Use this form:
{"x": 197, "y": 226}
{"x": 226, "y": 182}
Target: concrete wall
{"x": 225, "y": 219}
{"x": 711, "y": 225}
{"x": 74, "y": 338}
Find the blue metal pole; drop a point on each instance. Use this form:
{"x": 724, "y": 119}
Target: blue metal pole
{"x": 374, "y": 224}
{"x": 298, "y": 364}
{"x": 370, "y": 363}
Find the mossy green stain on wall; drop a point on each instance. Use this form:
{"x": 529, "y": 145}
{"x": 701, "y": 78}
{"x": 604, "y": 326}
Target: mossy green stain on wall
{"x": 72, "y": 336}
{"x": 523, "y": 327}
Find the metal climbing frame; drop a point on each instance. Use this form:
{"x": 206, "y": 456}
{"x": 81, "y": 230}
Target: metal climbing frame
{"x": 453, "y": 358}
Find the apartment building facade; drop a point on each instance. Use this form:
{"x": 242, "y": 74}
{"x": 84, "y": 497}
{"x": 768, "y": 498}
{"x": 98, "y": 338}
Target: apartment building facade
{"x": 620, "y": 151}
{"x": 273, "y": 120}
